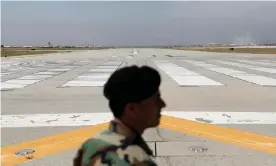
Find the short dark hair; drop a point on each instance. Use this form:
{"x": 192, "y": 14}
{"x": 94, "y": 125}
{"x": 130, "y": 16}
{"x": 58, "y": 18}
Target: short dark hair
{"x": 117, "y": 107}
{"x": 130, "y": 84}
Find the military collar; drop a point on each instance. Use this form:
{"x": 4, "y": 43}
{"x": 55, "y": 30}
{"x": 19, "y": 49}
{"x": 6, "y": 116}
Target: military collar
{"x": 131, "y": 135}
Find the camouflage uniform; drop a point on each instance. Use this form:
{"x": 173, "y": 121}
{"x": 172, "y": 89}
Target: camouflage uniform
{"x": 119, "y": 145}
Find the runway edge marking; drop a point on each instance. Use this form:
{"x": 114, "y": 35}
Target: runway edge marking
{"x": 73, "y": 139}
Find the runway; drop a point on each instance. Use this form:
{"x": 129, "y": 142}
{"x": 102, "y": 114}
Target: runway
{"x": 223, "y": 102}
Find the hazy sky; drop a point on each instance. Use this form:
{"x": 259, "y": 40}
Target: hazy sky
{"x": 136, "y": 23}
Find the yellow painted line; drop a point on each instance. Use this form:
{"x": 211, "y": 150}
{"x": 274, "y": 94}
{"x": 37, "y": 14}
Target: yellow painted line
{"x": 50, "y": 144}
{"x": 73, "y": 139}
{"x": 218, "y": 133}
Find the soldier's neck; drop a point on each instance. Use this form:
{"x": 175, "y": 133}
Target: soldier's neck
{"x": 131, "y": 124}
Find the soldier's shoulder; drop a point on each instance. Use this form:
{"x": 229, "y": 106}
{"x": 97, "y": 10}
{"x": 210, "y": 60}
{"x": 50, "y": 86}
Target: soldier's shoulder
{"x": 134, "y": 155}
{"x": 108, "y": 138}
{"x": 125, "y": 155}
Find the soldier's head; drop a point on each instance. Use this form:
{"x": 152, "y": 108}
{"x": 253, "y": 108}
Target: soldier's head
{"x": 134, "y": 96}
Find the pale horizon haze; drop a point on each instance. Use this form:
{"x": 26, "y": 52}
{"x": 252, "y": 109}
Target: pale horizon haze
{"x": 136, "y": 23}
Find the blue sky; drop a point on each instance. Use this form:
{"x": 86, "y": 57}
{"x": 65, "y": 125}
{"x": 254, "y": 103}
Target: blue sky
{"x": 136, "y": 23}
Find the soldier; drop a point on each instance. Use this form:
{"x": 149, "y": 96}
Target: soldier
{"x": 135, "y": 101}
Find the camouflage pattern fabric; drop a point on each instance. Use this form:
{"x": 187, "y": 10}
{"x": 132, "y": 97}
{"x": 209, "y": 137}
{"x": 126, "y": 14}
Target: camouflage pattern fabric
{"x": 116, "y": 146}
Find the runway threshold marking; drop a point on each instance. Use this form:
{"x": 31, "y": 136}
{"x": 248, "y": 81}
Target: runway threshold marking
{"x": 73, "y": 139}
{"x": 185, "y": 77}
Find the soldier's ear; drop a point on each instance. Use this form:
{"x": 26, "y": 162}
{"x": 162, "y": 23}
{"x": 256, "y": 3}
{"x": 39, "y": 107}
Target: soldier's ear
{"x": 130, "y": 109}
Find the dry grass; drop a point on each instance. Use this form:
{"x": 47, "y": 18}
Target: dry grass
{"x": 8, "y": 53}
{"x": 16, "y": 51}
{"x": 233, "y": 50}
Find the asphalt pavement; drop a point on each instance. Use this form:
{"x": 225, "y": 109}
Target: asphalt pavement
{"x": 59, "y": 93}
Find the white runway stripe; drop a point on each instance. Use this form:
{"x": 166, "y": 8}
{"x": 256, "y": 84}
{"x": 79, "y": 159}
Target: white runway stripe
{"x": 252, "y": 78}
{"x": 83, "y": 119}
{"x": 17, "y": 83}
{"x": 185, "y": 77}
{"x": 27, "y": 80}
{"x": 6, "y": 73}
{"x": 94, "y": 77}
{"x": 262, "y": 69}
{"x": 35, "y": 76}
{"x": 257, "y": 63}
